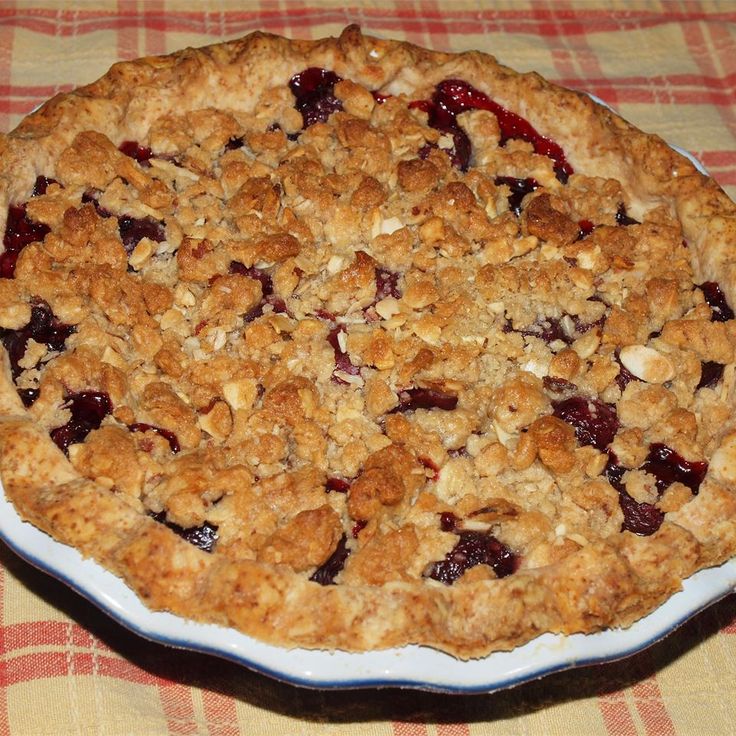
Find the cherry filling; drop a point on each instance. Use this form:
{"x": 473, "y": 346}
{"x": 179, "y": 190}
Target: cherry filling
{"x": 204, "y": 536}
{"x": 625, "y": 376}
{"x": 623, "y": 219}
{"x": 424, "y": 398}
{"x": 338, "y": 485}
{"x": 257, "y": 274}
{"x": 41, "y": 184}
{"x": 454, "y": 96}
{"x": 327, "y": 572}
{"x": 90, "y": 197}
{"x": 519, "y": 189}
{"x": 43, "y": 327}
{"x": 387, "y": 284}
{"x": 141, "y": 154}
{"x": 586, "y": 228}
{"x": 168, "y": 435}
{"x": 313, "y": 89}
{"x": 88, "y": 409}
{"x": 342, "y": 358}
{"x": 710, "y": 374}
{"x": 721, "y": 311}
{"x": 595, "y": 423}
{"x": 472, "y": 548}
{"x": 134, "y": 229}
{"x": 19, "y": 232}
{"x": 667, "y": 467}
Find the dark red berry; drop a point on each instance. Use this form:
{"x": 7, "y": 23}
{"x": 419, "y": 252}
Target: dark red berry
{"x": 277, "y": 304}
{"x": 623, "y": 219}
{"x": 668, "y": 467}
{"x": 168, "y": 435}
{"x": 237, "y": 142}
{"x": 28, "y": 396}
{"x": 387, "y": 284}
{"x": 425, "y": 398}
{"x": 41, "y": 184}
{"x": 454, "y": 96}
{"x": 448, "y": 521}
{"x": 586, "y": 228}
{"x": 342, "y": 358}
{"x": 625, "y": 376}
{"x": 327, "y": 572}
{"x": 710, "y": 374}
{"x": 519, "y": 189}
{"x": 595, "y": 423}
{"x": 19, "y": 232}
{"x": 133, "y": 149}
{"x": 134, "y": 229}
{"x": 339, "y": 485}
{"x": 91, "y": 197}
{"x": 640, "y": 518}
{"x": 474, "y": 548}
{"x": 204, "y": 536}
{"x": 88, "y": 409}
{"x": 313, "y": 89}
{"x": 43, "y": 327}
{"x": 720, "y": 310}
{"x": 257, "y": 274}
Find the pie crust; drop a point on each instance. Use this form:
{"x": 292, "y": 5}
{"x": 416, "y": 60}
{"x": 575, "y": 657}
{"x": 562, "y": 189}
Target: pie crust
{"x": 336, "y": 335}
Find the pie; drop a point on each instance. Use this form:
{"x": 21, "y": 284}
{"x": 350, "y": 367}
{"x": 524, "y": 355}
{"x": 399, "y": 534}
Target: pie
{"x": 349, "y": 344}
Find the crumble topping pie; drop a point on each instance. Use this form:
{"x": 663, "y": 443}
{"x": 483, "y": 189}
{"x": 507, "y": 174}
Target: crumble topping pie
{"x": 350, "y": 344}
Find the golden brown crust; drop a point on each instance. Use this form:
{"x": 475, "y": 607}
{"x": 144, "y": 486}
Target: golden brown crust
{"x": 566, "y": 583}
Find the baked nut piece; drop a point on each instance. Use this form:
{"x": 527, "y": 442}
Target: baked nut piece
{"x": 350, "y": 344}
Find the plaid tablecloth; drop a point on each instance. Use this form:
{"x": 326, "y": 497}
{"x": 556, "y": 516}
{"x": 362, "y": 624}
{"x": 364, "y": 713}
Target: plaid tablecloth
{"x": 669, "y": 67}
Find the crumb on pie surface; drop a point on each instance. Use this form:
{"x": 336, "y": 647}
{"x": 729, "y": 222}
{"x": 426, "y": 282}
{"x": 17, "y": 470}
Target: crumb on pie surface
{"x": 342, "y": 369}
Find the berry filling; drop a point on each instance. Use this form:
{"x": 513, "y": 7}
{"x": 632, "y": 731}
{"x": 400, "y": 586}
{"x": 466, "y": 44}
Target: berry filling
{"x": 257, "y": 274}
{"x": 586, "y": 228}
{"x": 20, "y": 231}
{"x": 43, "y": 327}
{"x": 716, "y": 300}
{"x": 595, "y": 423}
{"x": 338, "y": 485}
{"x": 168, "y": 435}
{"x": 28, "y": 396}
{"x": 669, "y": 467}
{"x": 41, "y": 184}
{"x": 710, "y": 374}
{"x": 88, "y": 409}
{"x": 424, "y": 398}
{"x": 203, "y": 536}
{"x": 519, "y": 189}
{"x": 327, "y": 572}
{"x": 134, "y": 229}
{"x": 313, "y": 89}
{"x": 387, "y": 284}
{"x": 623, "y": 219}
{"x": 453, "y": 96}
{"x": 342, "y": 358}
{"x": 640, "y": 518}
{"x": 625, "y": 376}
{"x": 140, "y": 153}
{"x": 472, "y": 548}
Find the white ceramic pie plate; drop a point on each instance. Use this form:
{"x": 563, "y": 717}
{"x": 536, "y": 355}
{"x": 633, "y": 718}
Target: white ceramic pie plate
{"x": 408, "y": 667}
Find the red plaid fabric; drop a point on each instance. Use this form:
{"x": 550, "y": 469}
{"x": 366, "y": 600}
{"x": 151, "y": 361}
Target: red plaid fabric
{"x": 669, "y": 67}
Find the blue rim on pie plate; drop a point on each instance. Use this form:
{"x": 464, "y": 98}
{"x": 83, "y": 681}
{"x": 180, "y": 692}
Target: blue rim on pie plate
{"x": 406, "y": 667}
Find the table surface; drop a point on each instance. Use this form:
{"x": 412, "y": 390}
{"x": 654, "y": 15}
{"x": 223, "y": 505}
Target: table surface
{"x": 670, "y": 68}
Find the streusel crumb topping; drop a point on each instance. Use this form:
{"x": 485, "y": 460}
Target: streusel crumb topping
{"x": 365, "y": 338}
